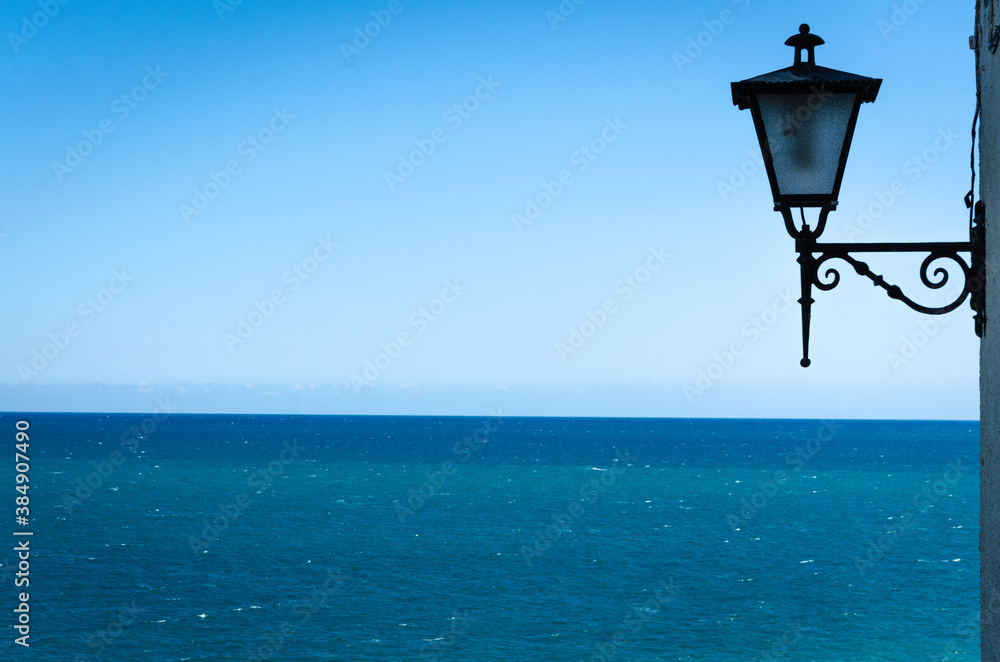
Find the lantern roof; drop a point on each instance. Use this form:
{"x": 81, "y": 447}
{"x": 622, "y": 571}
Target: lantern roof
{"x": 805, "y": 76}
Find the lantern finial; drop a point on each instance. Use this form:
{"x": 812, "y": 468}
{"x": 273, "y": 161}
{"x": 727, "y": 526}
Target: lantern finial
{"x": 804, "y": 41}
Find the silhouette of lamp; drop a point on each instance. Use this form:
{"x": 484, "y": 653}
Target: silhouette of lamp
{"x": 805, "y": 117}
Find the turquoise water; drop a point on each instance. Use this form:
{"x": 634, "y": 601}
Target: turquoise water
{"x": 381, "y": 538}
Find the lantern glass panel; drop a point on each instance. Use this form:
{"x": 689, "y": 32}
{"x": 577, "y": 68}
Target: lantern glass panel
{"x": 806, "y": 133}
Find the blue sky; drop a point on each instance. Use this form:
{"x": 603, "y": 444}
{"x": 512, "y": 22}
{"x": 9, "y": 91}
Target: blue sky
{"x": 251, "y": 208}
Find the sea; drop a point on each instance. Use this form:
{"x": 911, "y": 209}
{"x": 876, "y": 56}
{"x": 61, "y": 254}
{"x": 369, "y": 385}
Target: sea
{"x": 487, "y": 538}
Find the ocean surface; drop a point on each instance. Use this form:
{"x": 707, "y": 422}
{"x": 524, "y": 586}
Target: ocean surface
{"x": 301, "y": 538}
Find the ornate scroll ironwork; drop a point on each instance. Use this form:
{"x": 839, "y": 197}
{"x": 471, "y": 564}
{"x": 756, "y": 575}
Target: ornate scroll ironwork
{"x": 813, "y": 274}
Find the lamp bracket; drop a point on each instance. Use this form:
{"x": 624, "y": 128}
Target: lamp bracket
{"x": 973, "y": 271}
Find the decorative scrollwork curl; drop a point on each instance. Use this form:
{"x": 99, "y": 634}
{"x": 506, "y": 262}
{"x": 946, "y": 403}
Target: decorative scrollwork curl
{"x": 832, "y": 274}
{"x": 939, "y": 279}
{"x": 940, "y": 272}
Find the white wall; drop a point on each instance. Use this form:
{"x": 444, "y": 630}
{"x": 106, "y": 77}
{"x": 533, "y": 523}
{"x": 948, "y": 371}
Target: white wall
{"x": 989, "y": 361}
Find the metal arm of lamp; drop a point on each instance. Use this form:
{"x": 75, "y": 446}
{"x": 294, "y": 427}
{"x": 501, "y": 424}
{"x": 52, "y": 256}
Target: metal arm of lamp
{"x": 973, "y": 270}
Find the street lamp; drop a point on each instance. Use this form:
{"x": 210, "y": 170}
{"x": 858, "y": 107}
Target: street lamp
{"x": 805, "y": 117}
